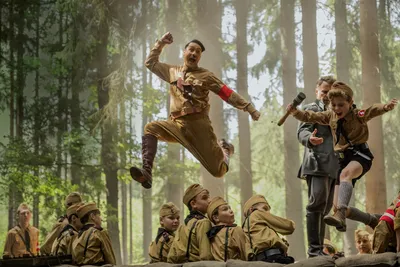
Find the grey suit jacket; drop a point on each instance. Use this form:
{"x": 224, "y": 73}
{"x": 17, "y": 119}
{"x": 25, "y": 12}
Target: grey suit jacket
{"x": 318, "y": 160}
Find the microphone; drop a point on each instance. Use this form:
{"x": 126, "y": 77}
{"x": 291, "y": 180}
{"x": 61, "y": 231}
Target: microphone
{"x": 297, "y": 101}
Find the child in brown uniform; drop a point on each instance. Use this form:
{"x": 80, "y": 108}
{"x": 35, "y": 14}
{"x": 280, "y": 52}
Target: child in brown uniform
{"x": 23, "y": 239}
{"x": 71, "y": 199}
{"x": 262, "y": 228}
{"x": 387, "y": 233}
{"x": 169, "y": 221}
{"x": 93, "y": 245}
{"x": 191, "y": 242}
{"x": 63, "y": 244}
{"x": 228, "y": 240}
{"x": 350, "y": 134}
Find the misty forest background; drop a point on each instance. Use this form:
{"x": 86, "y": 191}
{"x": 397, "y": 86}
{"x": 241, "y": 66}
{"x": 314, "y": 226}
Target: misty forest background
{"x": 75, "y": 95}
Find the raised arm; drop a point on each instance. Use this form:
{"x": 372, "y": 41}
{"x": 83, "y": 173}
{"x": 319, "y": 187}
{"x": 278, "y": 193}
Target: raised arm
{"x": 377, "y": 110}
{"x": 231, "y": 97}
{"x": 279, "y": 224}
{"x": 310, "y": 116}
{"x": 152, "y": 61}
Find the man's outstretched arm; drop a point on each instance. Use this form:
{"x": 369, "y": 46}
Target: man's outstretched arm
{"x": 232, "y": 98}
{"x": 152, "y": 61}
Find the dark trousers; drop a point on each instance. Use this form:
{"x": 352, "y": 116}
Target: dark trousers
{"x": 320, "y": 201}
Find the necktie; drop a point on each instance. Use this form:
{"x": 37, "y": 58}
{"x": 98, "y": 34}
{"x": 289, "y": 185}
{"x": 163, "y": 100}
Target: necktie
{"x": 339, "y": 130}
{"x": 27, "y": 240}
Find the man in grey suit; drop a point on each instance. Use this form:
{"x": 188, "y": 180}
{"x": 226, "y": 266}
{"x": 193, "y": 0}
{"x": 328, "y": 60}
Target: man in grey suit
{"x": 319, "y": 168}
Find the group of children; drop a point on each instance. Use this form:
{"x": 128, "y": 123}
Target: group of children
{"x": 78, "y": 233}
{"x": 209, "y": 231}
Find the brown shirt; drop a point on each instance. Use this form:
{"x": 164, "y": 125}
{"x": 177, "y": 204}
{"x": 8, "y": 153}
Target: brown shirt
{"x": 201, "y": 80}
{"x": 159, "y": 248}
{"x": 199, "y": 249}
{"x": 98, "y": 250}
{"x": 354, "y": 125}
{"x": 16, "y": 243}
{"x": 236, "y": 248}
{"x": 264, "y": 229}
{"x": 63, "y": 244}
{"x": 52, "y": 236}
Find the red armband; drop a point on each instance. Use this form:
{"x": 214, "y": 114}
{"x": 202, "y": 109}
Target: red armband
{"x": 388, "y": 217}
{"x": 225, "y": 92}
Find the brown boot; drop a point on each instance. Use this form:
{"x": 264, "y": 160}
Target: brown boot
{"x": 228, "y": 150}
{"x": 338, "y": 220}
{"x": 149, "y": 149}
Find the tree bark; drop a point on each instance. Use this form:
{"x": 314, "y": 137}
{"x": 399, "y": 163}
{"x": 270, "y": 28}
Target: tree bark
{"x": 292, "y": 184}
{"x": 209, "y": 27}
{"x": 147, "y": 193}
{"x": 11, "y": 205}
{"x": 36, "y": 134}
{"x": 174, "y": 187}
{"x": 375, "y": 179}
{"x": 246, "y": 176}
{"x": 310, "y": 47}
{"x": 108, "y": 150}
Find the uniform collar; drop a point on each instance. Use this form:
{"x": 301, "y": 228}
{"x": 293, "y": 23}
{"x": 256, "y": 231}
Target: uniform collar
{"x": 194, "y": 214}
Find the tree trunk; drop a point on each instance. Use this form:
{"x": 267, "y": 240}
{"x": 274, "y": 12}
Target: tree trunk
{"x": 292, "y": 184}
{"x": 246, "y": 176}
{"x": 11, "y": 206}
{"x": 20, "y": 70}
{"x": 123, "y": 185}
{"x": 375, "y": 180}
{"x": 310, "y": 47}
{"x": 108, "y": 150}
{"x": 147, "y": 193}
{"x": 174, "y": 190}
{"x": 343, "y": 53}
{"x": 36, "y": 134}
{"x": 209, "y": 14}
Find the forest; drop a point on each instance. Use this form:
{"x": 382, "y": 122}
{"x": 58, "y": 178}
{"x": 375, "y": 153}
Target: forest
{"x": 75, "y": 96}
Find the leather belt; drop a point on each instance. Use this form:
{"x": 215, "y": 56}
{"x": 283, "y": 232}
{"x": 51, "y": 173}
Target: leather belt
{"x": 268, "y": 253}
{"x": 186, "y": 111}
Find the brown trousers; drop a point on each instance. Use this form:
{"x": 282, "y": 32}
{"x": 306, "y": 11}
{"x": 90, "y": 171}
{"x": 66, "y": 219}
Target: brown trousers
{"x": 195, "y": 133}
{"x": 383, "y": 236}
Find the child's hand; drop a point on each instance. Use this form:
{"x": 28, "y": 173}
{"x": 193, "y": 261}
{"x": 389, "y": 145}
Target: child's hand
{"x": 290, "y": 108}
{"x": 392, "y": 103}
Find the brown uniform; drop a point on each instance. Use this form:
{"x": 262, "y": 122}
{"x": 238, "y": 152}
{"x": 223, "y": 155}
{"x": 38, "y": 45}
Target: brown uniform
{"x": 92, "y": 246}
{"x": 355, "y": 123}
{"x": 228, "y": 243}
{"x": 17, "y": 242}
{"x": 199, "y": 248}
{"x": 263, "y": 228}
{"x": 385, "y": 231}
{"x": 63, "y": 244}
{"x": 159, "y": 248}
{"x": 52, "y": 236}
{"x": 193, "y": 131}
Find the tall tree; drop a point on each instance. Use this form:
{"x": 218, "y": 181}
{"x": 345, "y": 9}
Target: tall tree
{"x": 310, "y": 46}
{"x": 174, "y": 188}
{"x": 292, "y": 185}
{"x": 375, "y": 180}
{"x": 209, "y": 13}
{"x": 147, "y": 193}
{"x": 343, "y": 57}
{"x": 108, "y": 138}
{"x": 246, "y": 176}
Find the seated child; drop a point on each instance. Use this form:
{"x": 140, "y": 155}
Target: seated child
{"x": 386, "y": 236}
{"x": 363, "y": 242}
{"x": 169, "y": 221}
{"x": 262, "y": 228}
{"x": 93, "y": 245}
{"x": 63, "y": 243}
{"x": 228, "y": 240}
{"x": 191, "y": 242}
